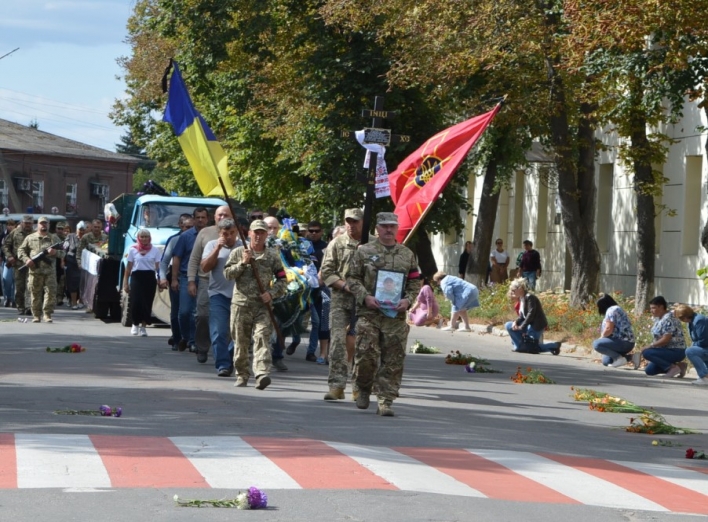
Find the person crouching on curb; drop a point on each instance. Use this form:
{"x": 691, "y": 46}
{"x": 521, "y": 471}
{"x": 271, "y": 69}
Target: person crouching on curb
{"x": 463, "y": 296}
{"x": 698, "y": 352}
{"x": 532, "y": 320}
{"x": 616, "y": 334}
{"x": 249, "y": 313}
{"x": 668, "y": 349}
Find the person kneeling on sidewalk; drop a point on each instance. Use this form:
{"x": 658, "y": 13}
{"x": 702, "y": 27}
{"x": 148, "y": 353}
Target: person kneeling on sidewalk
{"x": 531, "y": 322}
{"x": 616, "y": 334}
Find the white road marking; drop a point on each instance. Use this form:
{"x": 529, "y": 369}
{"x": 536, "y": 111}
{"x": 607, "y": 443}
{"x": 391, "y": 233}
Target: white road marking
{"x": 231, "y": 463}
{"x": 404, "y": 472}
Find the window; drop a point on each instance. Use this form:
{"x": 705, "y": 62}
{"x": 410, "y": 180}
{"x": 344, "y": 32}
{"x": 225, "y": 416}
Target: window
{"x": 519, "y": 195}
{"x": 692, "y": 205}
{"x": 71, "y": 191}
{"x": 38, "y": 196}
{"x": 542, "y": 221}
{"x": 4, "y": 191}
{"x": 604, "y": 207}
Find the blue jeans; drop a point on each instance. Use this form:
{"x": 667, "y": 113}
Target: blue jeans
{"x": 516, "y": 338}
{"x": 174, "y": 316}
{"x": 222, "y": 345}
{"x": 531, "y": 278}
{"x": 187, "y": 309}
{"x": 611, "y": 349}
{"x": 698, "y": 357}
{"x": 8, "y": 283}
{"x": 314, "y": 331}
{"x": 661, "y": 359}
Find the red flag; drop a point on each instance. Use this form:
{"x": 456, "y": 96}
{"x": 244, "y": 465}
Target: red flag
{"x": 422, "y": 176}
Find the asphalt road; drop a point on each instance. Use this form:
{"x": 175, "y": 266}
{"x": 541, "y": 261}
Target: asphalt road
{"x": 442, "y": 410}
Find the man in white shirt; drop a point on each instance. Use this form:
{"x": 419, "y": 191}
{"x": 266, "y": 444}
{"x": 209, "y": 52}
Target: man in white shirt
{"x": 220, "y": 290}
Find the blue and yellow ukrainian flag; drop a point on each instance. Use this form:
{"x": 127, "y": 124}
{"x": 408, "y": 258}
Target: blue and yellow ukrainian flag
{"x": 204, "y": 154}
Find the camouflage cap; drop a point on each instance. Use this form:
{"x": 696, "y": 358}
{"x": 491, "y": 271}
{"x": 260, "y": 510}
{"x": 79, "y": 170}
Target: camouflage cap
{"x": 259, "y": 224}
{"x": 43, "y": 219}
{"x": 62, "y": 224}
{"x": 386, "y": 218}
{"x": 354, "y": 213}
{"x": 27, "y": 218}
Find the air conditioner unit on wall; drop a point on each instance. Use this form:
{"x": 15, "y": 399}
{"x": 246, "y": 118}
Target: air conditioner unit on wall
{"x": 23, "y": 184}
{"x": 99, "y": 190}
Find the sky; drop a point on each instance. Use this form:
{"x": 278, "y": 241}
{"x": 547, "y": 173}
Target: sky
{"x": 64, "y": 73}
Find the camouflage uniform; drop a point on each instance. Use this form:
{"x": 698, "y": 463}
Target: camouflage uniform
{"x": 89, "y": 239}
{"x": 381, "y": 340}
{"x": 42, "y": 277}
{"x": 335, "y": 264}
{"x": 249, "y": 315}
{"x": 11, "y": 248}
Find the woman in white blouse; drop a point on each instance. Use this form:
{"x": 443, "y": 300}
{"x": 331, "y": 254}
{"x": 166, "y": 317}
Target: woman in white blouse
{"x": 500, "y": 263}
{"x": 140, "y": 281}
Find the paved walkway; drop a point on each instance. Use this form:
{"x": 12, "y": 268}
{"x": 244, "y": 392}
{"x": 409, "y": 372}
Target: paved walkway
{"x": 106, "y": 461}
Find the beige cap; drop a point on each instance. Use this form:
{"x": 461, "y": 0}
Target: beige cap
{"x": 354, "y": 213}
{"x": 44, "y": 219}
{"x": 259, "y": 224}
{"x": 386, "y": 218}
{"x": 27, "y": 218}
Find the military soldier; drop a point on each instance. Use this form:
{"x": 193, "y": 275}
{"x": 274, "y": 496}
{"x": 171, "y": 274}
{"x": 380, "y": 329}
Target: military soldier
{"x": 11, "y": 250}
{"x": 249, "y": 315}
{"x": 43, "y": 277}
{"x": 93, "y": 240}
{"x": 381, "y": 340}
{"x": 342, "y": 322}
{"x": 61, "y": 231}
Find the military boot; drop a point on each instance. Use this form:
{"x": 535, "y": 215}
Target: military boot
{"x": 385, "y": 409}
{"x": 334, "y": 394}
{"x": 362, "y": 401}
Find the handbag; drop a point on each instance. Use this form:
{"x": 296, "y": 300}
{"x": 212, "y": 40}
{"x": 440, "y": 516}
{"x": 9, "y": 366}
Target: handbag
{"x": 528, "y": 344}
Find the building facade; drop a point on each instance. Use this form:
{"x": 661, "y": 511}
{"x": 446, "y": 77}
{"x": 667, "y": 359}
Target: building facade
{"x": 40, "y": 171}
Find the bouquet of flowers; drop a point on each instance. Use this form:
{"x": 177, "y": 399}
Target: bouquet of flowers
{"x": 652, "y": 423}
{"x": 71, "y": 348}
{"x": 601, "y": 401}
{"x": 254, "y": 498}
{"x": 531, "y": 377}
{"x": 102, "y": 411}
{"x": 693, "y": 454}
{"x": 418, "y": 347}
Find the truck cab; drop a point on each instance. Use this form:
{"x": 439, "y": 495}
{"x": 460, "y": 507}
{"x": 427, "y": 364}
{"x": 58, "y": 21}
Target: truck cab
{"x": 160, "y": 215}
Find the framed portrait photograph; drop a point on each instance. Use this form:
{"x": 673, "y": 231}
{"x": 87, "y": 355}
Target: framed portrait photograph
{"x": 389, "y": 287}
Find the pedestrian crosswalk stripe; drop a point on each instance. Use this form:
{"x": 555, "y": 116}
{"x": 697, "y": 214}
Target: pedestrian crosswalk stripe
{"x": 58, "y": 461}
{"x": 315, "y": 465}
{"x": 404, "y": 472}
{"x": 492, "y": 479}
{"x": 230, "y": 463}
{"x": 569, "y": 481}
{"x": 86, "y": 462}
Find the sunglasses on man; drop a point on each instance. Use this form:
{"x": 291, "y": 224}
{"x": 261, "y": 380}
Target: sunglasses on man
{"x": 256, "y": 216}
{"x": 314, "y": 230}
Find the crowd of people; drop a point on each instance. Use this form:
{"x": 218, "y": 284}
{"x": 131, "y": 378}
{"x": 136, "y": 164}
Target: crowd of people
{"x": 239, "y": 287}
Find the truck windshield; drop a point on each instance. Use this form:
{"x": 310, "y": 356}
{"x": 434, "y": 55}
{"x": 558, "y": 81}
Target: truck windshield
{"x": 154, "y": 215}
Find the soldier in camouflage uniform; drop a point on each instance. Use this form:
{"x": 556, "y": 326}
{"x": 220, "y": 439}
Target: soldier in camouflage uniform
{"x": 11, "y": 250}
{"x": 43, "y": 277}
{"x": 381, "y": 340}
{"x": 96, "y": 238}
{"x": 342, "y": 319}
{"x": 249, "y": 313}
{"x": 61, "y": 231}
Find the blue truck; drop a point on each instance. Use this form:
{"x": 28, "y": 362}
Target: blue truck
{"x": 160, "y": 215}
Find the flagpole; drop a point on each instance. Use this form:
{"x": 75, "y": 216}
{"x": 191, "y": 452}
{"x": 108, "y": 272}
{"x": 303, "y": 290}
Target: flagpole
{"x": 254, "y": 267}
